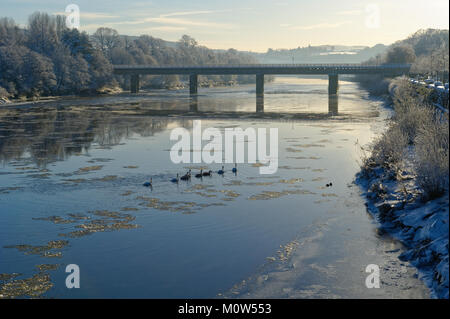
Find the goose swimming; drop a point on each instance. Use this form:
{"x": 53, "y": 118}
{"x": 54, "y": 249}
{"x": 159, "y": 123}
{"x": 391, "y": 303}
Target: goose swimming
{"x": 199, "y": 175}
{"x": 187, "y": 176}
{"x": 175, "y": 180}
{"x": 208, "y": 173}
{"x": 148, "y": 184}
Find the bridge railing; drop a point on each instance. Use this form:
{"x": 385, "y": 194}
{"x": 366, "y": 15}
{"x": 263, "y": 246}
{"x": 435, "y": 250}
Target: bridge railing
{"x": 311, "y": 66}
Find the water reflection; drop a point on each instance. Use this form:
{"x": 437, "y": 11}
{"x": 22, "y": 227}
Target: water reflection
{"x": 259, "y": 103}
{"x": 193, "y": 103}
{"x": 333, "y": 104}
{"x": 59, "y": 129}
{"x": 52, "y": 135}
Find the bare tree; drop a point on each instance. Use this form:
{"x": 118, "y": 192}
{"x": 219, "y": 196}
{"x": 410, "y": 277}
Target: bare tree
{"x": 106, "y": 39}
{"x": 42, "y": 32}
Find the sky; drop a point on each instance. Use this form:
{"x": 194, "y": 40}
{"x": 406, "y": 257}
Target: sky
{"x": 251, "y": 25}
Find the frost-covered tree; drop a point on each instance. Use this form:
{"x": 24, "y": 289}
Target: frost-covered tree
{"x": 400, "y": 54}
{"x": 106, "y": 39}
{"x": 11, "y": 65}
{"x": 42, "y": 34}
{"x": 77, "y": 42}
{"x": 10, "y": 33}
{"x": 100, "y": 70}
{"x": 38, "y": 75}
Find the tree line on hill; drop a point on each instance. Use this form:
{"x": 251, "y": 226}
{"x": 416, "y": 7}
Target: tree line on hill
{"x": 320, "y": 54}
{"x": 426, "y": 50}
{"x": 48, "y": 58}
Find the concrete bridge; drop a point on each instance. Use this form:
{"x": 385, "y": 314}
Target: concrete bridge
{"x": 259, "y": 70}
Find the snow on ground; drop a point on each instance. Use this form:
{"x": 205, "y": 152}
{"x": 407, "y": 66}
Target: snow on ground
{"x": 396, "y": 202}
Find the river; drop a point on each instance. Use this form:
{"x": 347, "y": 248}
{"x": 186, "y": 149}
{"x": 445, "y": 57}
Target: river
{"x": 71, "y": 193}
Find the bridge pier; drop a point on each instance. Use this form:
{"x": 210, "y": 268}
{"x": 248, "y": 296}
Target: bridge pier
{"x": 333, "y": 104}
{"x": 193, "y": 84}
{"x": 333, "y": 83}
{"x": 259, "y": 85}
{"x": 134, "y": 83}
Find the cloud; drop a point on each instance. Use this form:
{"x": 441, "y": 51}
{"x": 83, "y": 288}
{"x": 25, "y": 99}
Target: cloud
{"x": 91, "y": 27}
{"x": 91, "y": 15}
{"x": 165, "y": 29}
{"x": 171, "y": 19}
{"x": 349, "y": 12}
{"x": 185, "y": 13}
{"x": 163, "y": 19}
{"x": 320, "y": 26}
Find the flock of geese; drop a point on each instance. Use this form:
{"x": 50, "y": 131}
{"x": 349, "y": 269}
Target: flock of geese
{"x": 188, "y": 175}
{"x": 202, "y": 173}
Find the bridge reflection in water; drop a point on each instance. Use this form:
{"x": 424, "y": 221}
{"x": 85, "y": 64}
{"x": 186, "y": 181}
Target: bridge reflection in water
{"x": 333, "y": 102}
{"x": 259, "y": 103}
{"x": 193, "y": 103}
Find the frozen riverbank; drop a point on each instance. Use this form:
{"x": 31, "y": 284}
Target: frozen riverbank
{"x": 421, "y": 226}
{"x": 405, "y": 180}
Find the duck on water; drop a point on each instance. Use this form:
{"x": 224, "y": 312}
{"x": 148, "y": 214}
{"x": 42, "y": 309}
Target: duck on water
{"x": 149, "y": 183}
{"x": 208, "y": 173}
{"x": 175, "y": 180}
{"x": 199, "y": 175}
{"x": 186, "y": 176}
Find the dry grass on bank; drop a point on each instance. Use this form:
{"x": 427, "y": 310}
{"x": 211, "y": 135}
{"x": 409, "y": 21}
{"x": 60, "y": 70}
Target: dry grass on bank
{"x": 418, "y": 127}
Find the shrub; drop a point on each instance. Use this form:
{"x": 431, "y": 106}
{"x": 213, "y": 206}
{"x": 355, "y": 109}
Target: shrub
{"x": 3, "y": 93}
{"x": 373, "y": 83}
{"x": 412, "y": 118}
{"x": 389, "y": 149}
{"x": 432, "y": 158}
{"x": 411, "y": 112}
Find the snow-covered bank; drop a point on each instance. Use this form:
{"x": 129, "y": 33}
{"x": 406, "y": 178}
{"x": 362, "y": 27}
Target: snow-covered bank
{"x": 405, "y": 180}
{"x": 4, "y": 100}
{"x": 423, "y": 227}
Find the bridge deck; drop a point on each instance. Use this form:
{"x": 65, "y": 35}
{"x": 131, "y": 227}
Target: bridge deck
{"x": 395, "y": 69}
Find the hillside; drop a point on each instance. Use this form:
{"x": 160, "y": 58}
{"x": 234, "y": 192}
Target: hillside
{"x": 320, "y": 54}
{"x": 426, "y": 50}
